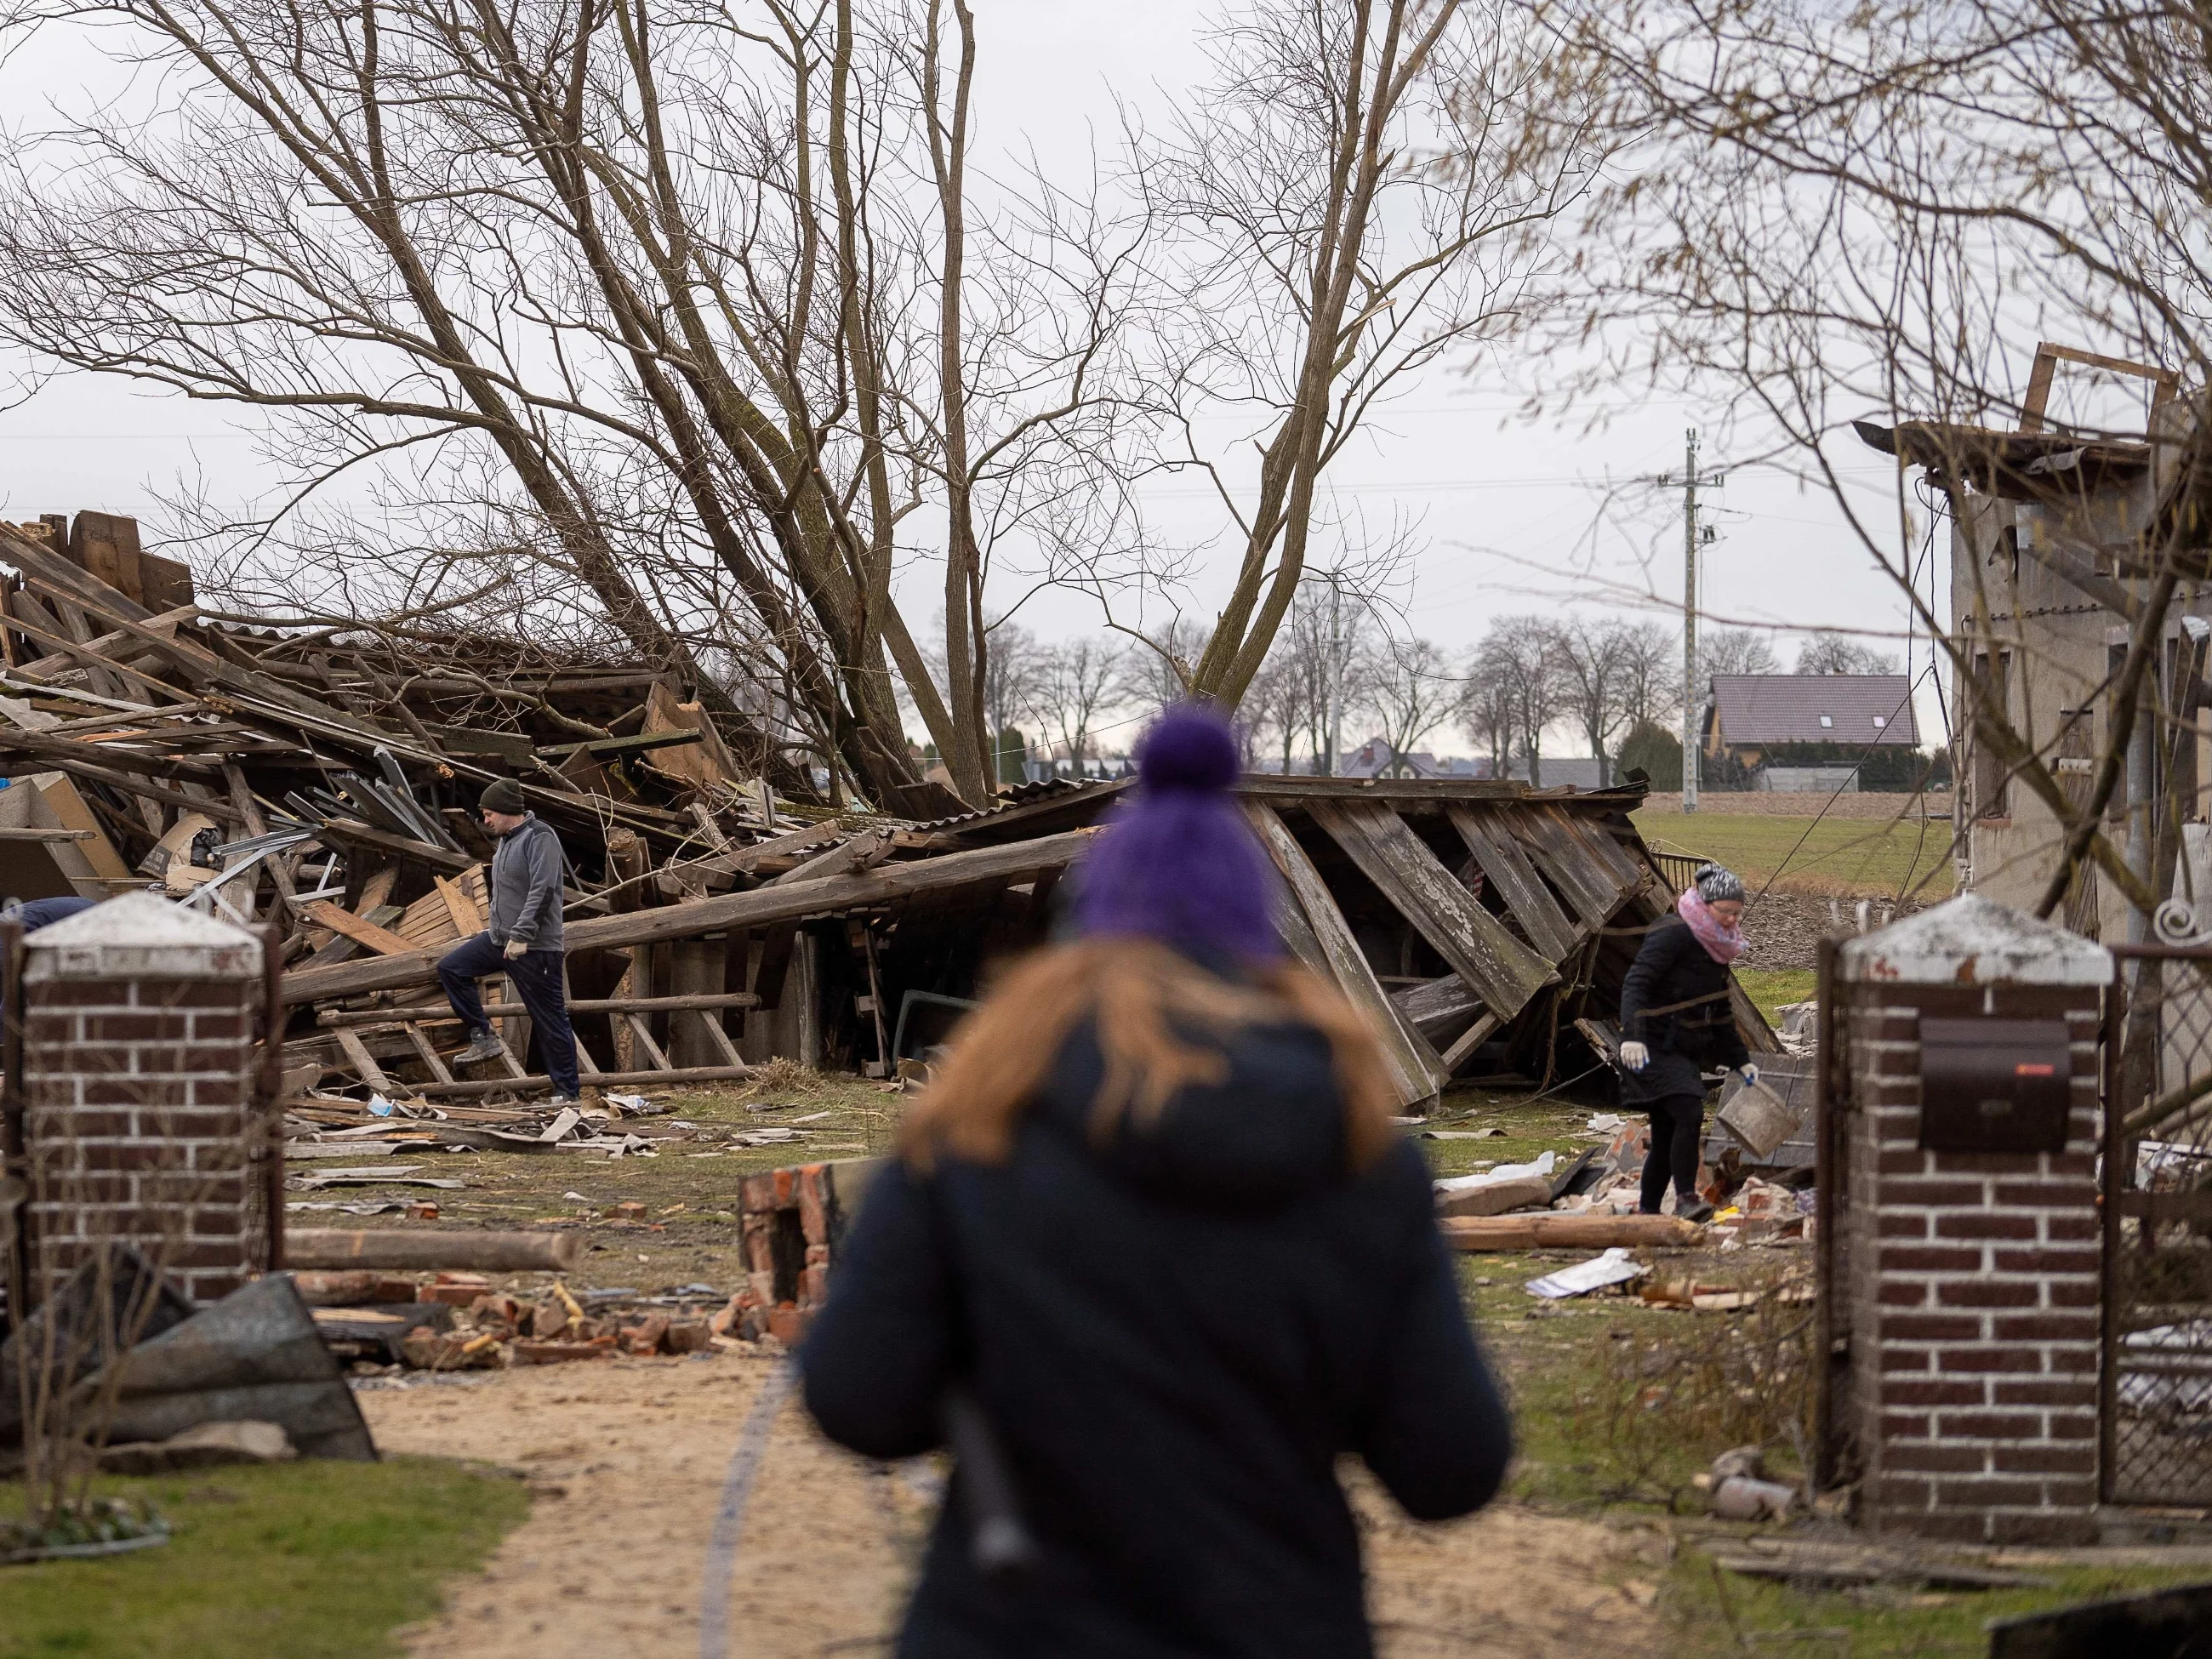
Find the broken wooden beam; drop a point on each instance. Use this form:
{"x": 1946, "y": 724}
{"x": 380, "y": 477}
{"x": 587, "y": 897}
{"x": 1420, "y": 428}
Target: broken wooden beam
{"x": 724, "y": 912}
{"x": 412, "y": 1249}
{"x": 1548, "y": 1232}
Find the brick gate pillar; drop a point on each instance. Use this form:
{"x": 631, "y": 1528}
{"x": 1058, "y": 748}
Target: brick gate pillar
{"x": 141, "y": 1123}
{"x": 1967, "y": 1273}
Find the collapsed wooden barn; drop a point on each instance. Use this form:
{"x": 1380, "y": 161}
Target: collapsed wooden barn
{"x": 321, "y": 777}
{"x": 1486, "y": 928}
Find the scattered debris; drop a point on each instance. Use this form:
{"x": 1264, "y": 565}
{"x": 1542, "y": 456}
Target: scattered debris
{"x": 1615, "y": 1267}
{"x": 1741, "y": 1497}
{"x": 202, "y": 1446}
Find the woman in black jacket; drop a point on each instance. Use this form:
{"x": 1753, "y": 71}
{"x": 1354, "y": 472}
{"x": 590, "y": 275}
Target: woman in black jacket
{"x": 1153, "y": 1219}
{"x": 1675, "y": 1021}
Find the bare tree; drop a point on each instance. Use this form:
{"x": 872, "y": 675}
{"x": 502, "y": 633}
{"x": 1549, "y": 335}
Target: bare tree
{"x": 1863, "y": 216}
{"x": 1410, "y": 691}
{"x": 1014, "y": 666}
{"x": 1830, "y": 653}
{"x": 1488, "y": 713}
{"x": 1650, "y": 672}
{"x": 1596, "y": 673}
{"x": 1733, "y": 651}
{"x": 690, "y": 310}
{"x": 1080, "y": 679}
{"x": 1518, "y": 664}
{"x": 1361, "y": 189}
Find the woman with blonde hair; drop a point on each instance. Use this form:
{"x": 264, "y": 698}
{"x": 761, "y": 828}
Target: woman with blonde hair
{"x": 1152, "y": 1227}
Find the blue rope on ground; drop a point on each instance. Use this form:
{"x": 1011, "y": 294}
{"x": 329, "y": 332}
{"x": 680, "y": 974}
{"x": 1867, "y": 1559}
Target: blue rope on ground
{"x": 730, "y": 1515}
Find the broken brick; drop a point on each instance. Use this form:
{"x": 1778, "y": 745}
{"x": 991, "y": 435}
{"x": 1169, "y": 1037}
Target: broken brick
{"x": 554, "y": 1353}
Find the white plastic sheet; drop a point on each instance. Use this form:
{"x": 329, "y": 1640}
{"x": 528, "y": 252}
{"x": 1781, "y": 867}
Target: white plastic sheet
{"x": 1615, "y": 1267}
{"x": 1467, "y": 1183}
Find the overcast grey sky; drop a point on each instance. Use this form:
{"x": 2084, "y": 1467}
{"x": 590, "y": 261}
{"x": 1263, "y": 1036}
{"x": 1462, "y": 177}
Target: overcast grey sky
{"x": 1504, "y": 509}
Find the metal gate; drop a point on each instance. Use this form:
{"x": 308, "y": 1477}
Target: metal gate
{"x": 2155, "y": 1405}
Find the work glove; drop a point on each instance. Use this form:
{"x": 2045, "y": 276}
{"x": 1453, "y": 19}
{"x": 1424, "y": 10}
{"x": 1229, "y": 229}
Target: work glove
{"x": 514, "y": 950}
{"x": 1747, "y": 1072}
{"x": 1635, "y": 1056}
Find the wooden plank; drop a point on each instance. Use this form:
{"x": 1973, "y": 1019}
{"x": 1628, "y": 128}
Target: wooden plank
{"x": 711, "y": 1021}
{"x": 757, "y": 909}
{"x": 1297, "y": 932}
{"x": 382, "y": 940}
{"x": 1590, "y": 890}
{"x": 641, "y": 1034}
{"x": 468, "y": 920}
{"x": 1507, "y": 869}
{"x": 1415, "y": 1071}
{"x": 1437, "y": 1004}
{"x": 1504, "y": 971}
{"x": 1473, "y": 1038}
{"x": 357, "y": 1052}
{"x": 1626, "y": 873}
{"x": 428, "y": 1055}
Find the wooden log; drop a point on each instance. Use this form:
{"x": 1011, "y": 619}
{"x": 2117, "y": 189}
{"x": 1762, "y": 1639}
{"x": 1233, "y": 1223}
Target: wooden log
{"x": 1549, "y": 1231}
{"x": 422, "y": 1250}
{"x": 725, "y": 911}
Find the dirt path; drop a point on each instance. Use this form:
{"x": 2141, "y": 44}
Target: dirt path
{"x": 626, "y": 1460}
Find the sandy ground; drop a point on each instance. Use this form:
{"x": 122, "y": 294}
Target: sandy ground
{"x": 625, "y": 1461}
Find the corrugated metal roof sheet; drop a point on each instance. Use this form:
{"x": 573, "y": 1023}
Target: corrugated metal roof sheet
{"x": 1850, "y": 709}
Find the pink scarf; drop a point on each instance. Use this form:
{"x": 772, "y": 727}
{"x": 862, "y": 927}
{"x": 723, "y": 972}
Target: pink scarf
{"x": 1723, "y": 945}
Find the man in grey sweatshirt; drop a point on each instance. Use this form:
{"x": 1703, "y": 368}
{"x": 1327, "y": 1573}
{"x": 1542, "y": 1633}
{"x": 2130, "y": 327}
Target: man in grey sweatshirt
{"x": 523, "y": 942}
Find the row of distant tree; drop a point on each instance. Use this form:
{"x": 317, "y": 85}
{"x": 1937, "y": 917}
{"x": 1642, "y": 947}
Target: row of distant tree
{"x": 1531, "y": 685}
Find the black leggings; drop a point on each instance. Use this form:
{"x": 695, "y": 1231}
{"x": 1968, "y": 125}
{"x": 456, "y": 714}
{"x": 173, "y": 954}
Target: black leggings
{"x": 1677, "y": 1128}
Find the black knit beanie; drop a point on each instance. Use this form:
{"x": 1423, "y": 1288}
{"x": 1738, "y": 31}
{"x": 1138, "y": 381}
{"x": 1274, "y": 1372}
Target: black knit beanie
{"x": 503, "y": 795}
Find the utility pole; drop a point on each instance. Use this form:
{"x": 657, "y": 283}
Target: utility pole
{"x": 1692, "y": 735}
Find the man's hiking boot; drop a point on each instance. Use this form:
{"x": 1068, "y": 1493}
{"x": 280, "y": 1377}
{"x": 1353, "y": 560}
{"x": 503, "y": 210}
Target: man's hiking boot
{"x": 482, "y": 1046}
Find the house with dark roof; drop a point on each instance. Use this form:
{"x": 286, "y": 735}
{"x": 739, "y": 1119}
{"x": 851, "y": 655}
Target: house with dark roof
{"x": 1759, "y": 721}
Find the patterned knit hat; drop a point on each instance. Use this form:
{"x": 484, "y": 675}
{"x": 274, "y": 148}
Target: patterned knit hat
{"x": 1716, "y": 882}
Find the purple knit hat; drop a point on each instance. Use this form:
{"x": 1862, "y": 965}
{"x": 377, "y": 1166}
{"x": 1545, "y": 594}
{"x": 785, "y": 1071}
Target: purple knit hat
{"x": 1179, "y": 863}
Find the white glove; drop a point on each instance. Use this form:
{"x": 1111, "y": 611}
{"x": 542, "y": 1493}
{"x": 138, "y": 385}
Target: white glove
{"x": 1635, "y": 1056}
{"x": 1747, "y": 1072}
{"x": 514, "y": 950}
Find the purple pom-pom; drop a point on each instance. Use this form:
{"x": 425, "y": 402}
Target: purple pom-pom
{"x": 1189, "y": 747}
{"x": 1178, "y": 862}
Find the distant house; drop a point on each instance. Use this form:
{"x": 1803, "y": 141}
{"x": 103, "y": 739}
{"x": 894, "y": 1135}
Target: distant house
{"x": 1376, "y": 758}
{"x": 1792, "y": 721}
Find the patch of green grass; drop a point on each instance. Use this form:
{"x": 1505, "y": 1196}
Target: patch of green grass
{"x": 1770, "y": 988}
{"x": 1871, "y": 858}
{"x": 1719, "y": 1613}
{"x": 305, "y": 1560}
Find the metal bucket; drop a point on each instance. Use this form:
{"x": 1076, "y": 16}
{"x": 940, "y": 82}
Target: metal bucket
{"x": 1757, "y": 1117}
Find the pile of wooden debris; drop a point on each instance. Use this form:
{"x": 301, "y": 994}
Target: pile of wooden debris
{"x": 320, "y": 778}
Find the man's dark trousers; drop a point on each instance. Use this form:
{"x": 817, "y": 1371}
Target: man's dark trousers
{"x": 537, "y": 976}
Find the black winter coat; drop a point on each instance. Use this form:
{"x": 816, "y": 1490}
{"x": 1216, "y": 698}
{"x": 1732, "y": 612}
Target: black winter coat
{"x": 1675, "y": 1002}
{"x": 1175, "y": 1336}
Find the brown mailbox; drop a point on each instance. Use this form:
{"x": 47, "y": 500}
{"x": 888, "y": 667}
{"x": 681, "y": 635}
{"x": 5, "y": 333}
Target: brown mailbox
{"x": 1994, "y": 1086}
